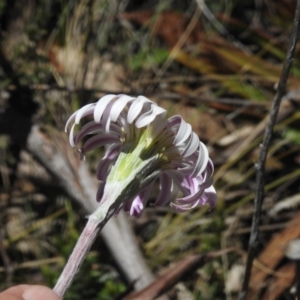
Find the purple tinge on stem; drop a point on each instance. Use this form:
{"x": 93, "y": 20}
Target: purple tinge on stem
{"x": 181, "y": 159}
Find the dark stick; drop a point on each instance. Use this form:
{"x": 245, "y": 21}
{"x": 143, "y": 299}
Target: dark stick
{"x": 260, "y": 166}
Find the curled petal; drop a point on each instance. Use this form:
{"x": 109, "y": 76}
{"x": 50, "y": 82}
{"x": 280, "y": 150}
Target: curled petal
{"x": 93, "y": 128}
{"x": 102, "y": 169}
{"x": 191, "y": 146}
{"x": 101, "y": 107}
{"x": 210, "y": 196}
{"x": 179, "y": 180}
{"x": 183, "y": 208}
{"x": 106, "y": 161}
{"x": 89, "y": 128}
{"x": 158, "y": 128}
{"x": 98, "y": 141}
{"x": 190, "y": 199}
{"x": 149, "y": 116}
{"x": 136, "y": 108}
{"x": 186, "y": 170}
{"x": 100, "y": 192}
{"x": 210, "y": 168}
{"x": 136, "y": 206}
{"x": 71, "y": 136}
{"x": 183, "y": 133}
{"x": 83, "y": 112}
{"x": 201, "y": 161}
{"x": 119, "y": 106}
{"x": 106, "y": 120}
{"x": 197, "y": 187}
{"x": 112, "y": 151}
{"x": 71, "y": 118}
{"x": 166, "y": 188}
{"x": 173, "y": 121}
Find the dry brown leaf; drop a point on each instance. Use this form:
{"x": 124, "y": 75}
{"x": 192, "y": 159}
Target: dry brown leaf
{"x": 272, "y": 255}
{"x": 284, "y": 279}
{"x": 164, "y": 282}
{"x": 169, "y": 26}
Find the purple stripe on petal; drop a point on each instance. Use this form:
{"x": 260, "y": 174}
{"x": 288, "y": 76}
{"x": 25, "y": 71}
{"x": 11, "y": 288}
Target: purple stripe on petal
{"x": 138, "y": 204}
{"x": 174, "y": 120}
{"x": 180, "y": 208}
{"x": 112, "y": 151}
{"x": 127, "y": 205}
{"x": 186, "y": 169}
{"x": 166, "y": 188}
{"x": 206, "y": 182}
{"x": 178, "y": 179}
{"x": 210, "y": 196}
{"x": 148, "y": 117}
{"x": 202, "y": 160}
{"x": 100, "y": 191}
{"x": 98, "y": 141}
{"x": 190, "y": 198}
{"x": 106, "y": 118}
{"x": 191, "y": 146}
{"x": 102, "y": 169}
{"x": 106, "y": 161}
{"x": 89, "y": 128}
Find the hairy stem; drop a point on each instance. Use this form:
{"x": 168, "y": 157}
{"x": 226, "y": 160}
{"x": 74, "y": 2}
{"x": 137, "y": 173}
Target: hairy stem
{"x": 78, "y": 255}
{"x": 109, "y": 204}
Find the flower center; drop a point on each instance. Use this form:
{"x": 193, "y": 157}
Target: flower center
{"x": 143, "y": 153}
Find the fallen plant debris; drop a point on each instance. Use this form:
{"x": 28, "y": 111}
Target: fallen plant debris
{"x": 216, "y": 64}
{"x": 167, "y": 280}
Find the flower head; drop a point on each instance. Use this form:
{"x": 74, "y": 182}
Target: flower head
{"x": 141, "y": 146}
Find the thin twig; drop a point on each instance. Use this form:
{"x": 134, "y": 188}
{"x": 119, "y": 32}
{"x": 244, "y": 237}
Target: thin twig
{"x": 260, "y": 166}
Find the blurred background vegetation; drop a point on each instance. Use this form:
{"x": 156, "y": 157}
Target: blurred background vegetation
{"x": 215, "y": 63}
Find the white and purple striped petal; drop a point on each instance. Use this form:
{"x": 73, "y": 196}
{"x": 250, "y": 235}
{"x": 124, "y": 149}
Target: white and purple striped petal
{"x": 181, "y": 159}
{"x": 166, "y": 189}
